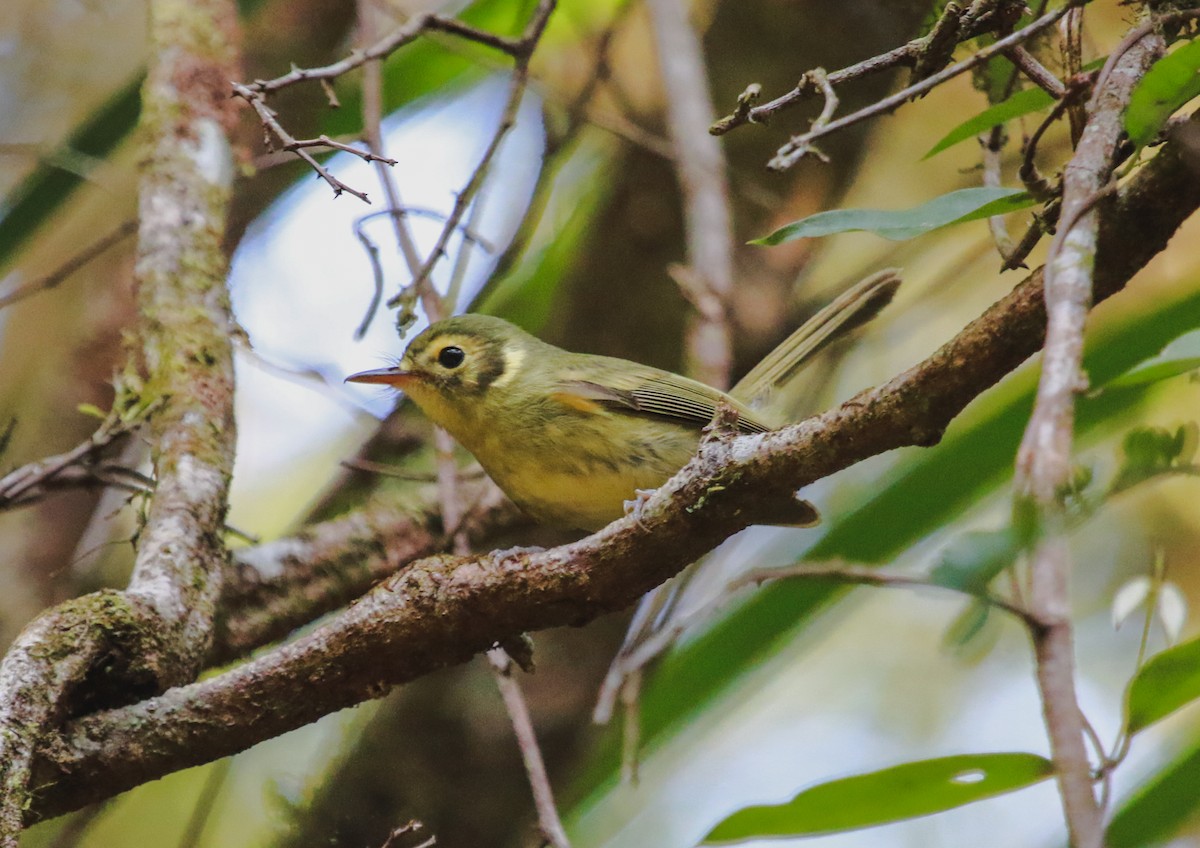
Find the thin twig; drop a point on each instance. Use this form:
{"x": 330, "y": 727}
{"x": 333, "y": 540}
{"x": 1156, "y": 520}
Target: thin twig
{"x": 641, "y": 654}
{"x": 73, "y": 832}
{"x": 906, "y": 55}
{"x": 325, "y": 141}
{"x": 469, "y": 237}
{"x": 1072, "y": 49}
{"x": 205, "y": 803}
{"x": 31, "y": 481}
{"x": 535, "y": 767}
{"x": 1036, "y": 72}
{"x": 452, "y": 509}
{"x": 287, "y": 142}
{"x": 520, "y": 49}
{"x": 66, "y": 269}
{"x": 796, "y": 148}
{"x": 701, "y": 170}
{"x": 631, "y": 728}
{"x": 464, "y": 197}
{"x": 1042, "y": 223}
{"x": 409, "y": 32}
{"x": 405, "y": 829}
{"x": 372, "y": 109}
{"x": 399, "y": 473}
{"x": 1036, "y": 184}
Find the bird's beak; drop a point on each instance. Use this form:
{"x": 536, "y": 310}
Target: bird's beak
{"x": 394, "y": 376}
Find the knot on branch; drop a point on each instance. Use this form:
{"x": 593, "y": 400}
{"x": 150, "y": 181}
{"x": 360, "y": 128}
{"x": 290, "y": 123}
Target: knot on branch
{"x": 742, "y": 112}
{"x": 122, "y": 645}
{"x": 934, "y": 51}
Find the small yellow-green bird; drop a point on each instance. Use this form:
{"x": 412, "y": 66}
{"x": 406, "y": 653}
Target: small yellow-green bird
{"x": 571, "y": 437}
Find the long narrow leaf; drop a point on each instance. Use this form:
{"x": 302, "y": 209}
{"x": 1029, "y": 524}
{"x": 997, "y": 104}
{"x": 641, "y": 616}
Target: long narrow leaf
{"x": 1171, "y": 82}
{"x": 1169, "y": 681}
{"x": 1021, "y": 103}
{"x": 893, "y": 794}
{"x": 1161, "y": 806}
{"x": 957, "y": 207}
{"x": 40, "y": 194}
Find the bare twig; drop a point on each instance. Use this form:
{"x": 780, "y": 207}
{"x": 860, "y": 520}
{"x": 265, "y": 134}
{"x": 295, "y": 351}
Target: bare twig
{"x": 907, "y": 55}
{"x": 451, "y": 504}
{"x": 474, "y": 183}
{"x": 518, "y": 713}
{"x": 700, "y": 168}
{"x": 255, "y": 93}
{"x": 413, "y": 826}
{"x": 389, "y": 44}
{"x": 1071, "y": 32}
{"x": 1035, "y": 183}
{"x": 74, "y": 831}
{"x": 1042, "y": 222}
{"x": 372, "y": 106}
{"x": 271, "y": 122}
{"x": 1036, "y": 72}
{"x": 205, "y": 803}
{"x": 65, "y": 270}
{"x": 799, "y": 145}
{"x": 644, "y": 652}
{"x": 79, "y": 466}
{"x": 324, "y": 141}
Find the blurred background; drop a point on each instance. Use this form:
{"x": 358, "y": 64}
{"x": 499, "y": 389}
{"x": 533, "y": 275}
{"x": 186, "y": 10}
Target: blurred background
{"x": 792, "y": 684}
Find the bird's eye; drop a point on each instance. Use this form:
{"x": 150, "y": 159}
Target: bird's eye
{"x": 451, "y": 357}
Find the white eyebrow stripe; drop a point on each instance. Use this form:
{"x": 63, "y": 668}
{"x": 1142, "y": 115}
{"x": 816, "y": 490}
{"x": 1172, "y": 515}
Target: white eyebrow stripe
{"x": 513, "y": 357}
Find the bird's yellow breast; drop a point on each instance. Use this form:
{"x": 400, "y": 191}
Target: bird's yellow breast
{"x": 578, "y": 470}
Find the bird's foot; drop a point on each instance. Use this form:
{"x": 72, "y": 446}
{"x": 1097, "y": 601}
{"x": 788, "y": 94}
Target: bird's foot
{"x": 634, "y": 507}
{"x": 519, "y": 550}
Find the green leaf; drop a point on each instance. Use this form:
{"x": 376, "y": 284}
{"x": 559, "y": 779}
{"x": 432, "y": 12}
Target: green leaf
{"x": 1181, "y": 356}
{"x": 48, "y": 186}
{"x": 1162, "y": 805}
{"x": 968, "y": 204}
{"x": 571, "y": 196}
{"x": 972, "y": 559}
{"x": 1021, "y": 103}
{"x": 1169, "y": 681}
{"x": 1172, "y": 81}
{"x": 1150, "y": 451}
{"x": 967, "y": 624}
{"x": 893, "y": 794}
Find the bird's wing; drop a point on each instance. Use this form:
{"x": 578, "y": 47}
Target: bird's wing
{"x": 659, "y": 394}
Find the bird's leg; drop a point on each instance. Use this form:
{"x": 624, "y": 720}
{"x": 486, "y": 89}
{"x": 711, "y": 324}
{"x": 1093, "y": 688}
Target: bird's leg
{"x": 516, "y": 551}
{"x": 634, "y": 507}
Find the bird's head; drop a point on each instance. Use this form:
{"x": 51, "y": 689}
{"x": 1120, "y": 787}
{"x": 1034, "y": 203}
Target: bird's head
{"x": 459, "y": 369}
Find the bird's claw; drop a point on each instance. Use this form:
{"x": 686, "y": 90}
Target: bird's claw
{"x": 519, "y": 550}
{"x": 634, "y": 507}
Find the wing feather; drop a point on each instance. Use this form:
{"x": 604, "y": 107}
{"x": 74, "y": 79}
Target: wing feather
{"x": 658, "y": 394}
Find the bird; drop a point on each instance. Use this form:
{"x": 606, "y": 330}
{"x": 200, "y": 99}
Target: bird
{"x": 574, "y": 438}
